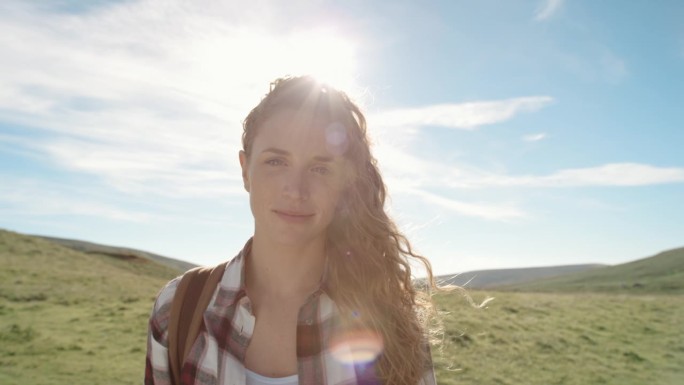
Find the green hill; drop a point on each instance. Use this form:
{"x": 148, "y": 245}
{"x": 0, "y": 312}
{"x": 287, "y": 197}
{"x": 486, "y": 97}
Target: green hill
{"x": 68, "y": 317}
{"x": 483, "y": 279}
{"x": 662, "y": 273}
{"x": 561, "y": 338}
{"x": 119, "y": 252}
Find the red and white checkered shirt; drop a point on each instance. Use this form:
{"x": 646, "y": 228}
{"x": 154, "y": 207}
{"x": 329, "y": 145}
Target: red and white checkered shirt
{"x": 217, "y": 355}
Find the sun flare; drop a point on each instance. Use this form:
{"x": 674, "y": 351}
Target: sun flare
{"x": 327, "y": 56}
{"x": 237, "y": 67}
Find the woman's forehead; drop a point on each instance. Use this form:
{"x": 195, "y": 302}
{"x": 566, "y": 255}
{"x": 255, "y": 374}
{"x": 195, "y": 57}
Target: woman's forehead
{"x": 305, "y": 116}
{"x": 298, "y": 129}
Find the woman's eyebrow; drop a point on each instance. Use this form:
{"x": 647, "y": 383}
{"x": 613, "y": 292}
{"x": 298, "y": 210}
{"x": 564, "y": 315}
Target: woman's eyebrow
{"x": 323, "y": 159}
{"x": 279, "y": 151}
{"x": 276, "y": 151}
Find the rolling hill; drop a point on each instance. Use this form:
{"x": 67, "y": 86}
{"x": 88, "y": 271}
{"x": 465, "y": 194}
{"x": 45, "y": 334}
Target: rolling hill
{"x": 118, "y": 252}
{"x": 662, "y": 273}
{"x": 70, "y": 317}
{"x": 482, "y": 279}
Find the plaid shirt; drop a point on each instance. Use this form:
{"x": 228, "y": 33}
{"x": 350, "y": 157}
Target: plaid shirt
{"x": 218, "y": 354}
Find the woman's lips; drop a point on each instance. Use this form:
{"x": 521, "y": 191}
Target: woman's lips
{"x": 294, "y": 217}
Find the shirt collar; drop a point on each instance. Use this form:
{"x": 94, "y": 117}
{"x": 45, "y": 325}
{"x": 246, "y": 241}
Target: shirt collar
{"x": 233, "y": 281}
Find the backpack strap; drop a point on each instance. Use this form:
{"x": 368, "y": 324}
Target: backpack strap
{"x": 193, "y": 293}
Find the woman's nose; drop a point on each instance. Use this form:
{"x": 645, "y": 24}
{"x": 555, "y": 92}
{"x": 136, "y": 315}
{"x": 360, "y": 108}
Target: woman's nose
{"x": 296, "y": 185}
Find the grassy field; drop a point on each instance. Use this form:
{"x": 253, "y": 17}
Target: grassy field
{"x": 72, "y": 318}
{"x": 553, "y": 338}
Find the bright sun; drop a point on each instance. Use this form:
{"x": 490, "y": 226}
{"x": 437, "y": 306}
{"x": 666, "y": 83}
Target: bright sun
{"x": 237, "y": 67}
{"x": 327, "y": 56}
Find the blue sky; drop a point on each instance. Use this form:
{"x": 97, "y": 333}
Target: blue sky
{"x": 510, "y": 134}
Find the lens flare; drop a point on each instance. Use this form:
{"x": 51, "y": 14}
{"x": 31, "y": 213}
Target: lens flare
{"x": 356, "y": 346}
{"x": 336, "y": 138}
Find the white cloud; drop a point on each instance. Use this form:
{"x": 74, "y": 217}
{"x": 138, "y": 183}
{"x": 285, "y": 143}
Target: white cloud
{"x": 534, "y": 137}
{"x": 616, "y": 174}
{"x": 149, "y": 95}
{"x": 465, "y": 116}
{"x": 30, "y": 198}
{"x": 613, "y": 174}
{"x": 407, "y": 169}
{"x": 480, "y": 210}
{"x": 409, "y": 174}
{"x": 23, "y": 197}
{"x": 547, "y": 9}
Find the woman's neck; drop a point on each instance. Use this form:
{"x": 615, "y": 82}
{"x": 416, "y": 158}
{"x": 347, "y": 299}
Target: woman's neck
{"x": 284, "y": 270}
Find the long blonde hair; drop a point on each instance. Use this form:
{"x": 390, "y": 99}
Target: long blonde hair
{"x": 369, "y": 273}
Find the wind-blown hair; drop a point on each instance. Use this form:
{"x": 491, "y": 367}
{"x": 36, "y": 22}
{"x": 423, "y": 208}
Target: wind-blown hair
{"x": 368, "y": 270}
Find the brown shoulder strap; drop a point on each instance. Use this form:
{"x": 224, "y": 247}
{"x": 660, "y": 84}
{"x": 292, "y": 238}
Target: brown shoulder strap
{"x": 194, "y": 292}
{"x": 212, "y": 278}
{"x": 174, "y": 318}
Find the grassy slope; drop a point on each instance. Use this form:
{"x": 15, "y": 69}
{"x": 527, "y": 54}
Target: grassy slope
{"x": 72, "y": 318}
{"x": 660, "y": 274}
{"x": 483, "y": 279}
{"x": 96, "y": 248}
{"x": 552, "y": 338}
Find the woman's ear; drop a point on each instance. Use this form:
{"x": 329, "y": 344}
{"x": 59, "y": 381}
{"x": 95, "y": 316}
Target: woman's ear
{"x": 244, "y": 164}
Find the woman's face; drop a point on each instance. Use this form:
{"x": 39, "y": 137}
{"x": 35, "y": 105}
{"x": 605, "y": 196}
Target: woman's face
{"x": 293, "y": 179}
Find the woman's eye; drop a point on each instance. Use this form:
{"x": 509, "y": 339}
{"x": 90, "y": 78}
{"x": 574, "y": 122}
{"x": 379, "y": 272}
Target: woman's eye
{"x": 321, "y": 170}
{"x": 275, "y": 162}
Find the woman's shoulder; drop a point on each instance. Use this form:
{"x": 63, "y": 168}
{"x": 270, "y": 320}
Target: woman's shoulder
{"x": 162, "y": 305}
{"x": 161, "y": 312}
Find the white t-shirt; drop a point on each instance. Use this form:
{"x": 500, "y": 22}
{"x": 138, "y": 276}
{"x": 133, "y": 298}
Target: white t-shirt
{"x": 258, "y": 379}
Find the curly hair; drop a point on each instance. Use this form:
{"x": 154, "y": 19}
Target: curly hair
{"x": 369, "y": 259}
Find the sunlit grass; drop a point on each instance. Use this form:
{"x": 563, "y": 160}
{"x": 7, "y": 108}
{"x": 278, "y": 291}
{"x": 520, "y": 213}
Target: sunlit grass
{"x": 72, "y": 318}
{"x": 536, "y": 338}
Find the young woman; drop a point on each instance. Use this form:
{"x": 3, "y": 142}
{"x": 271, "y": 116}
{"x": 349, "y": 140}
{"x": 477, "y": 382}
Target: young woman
{"x": 322, "y": 293}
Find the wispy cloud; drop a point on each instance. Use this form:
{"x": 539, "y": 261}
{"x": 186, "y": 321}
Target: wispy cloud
{"x": 547, "y": 9}
{"x": 613, "y": 174}
{"x": 534, "y": 137}
{"x": 490, "y": 211}
{"x": 408, "y": 174}
{"x": 22, "y": 197}
{"x": 465, "y": 116}
{"x": 148, "y": 96}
